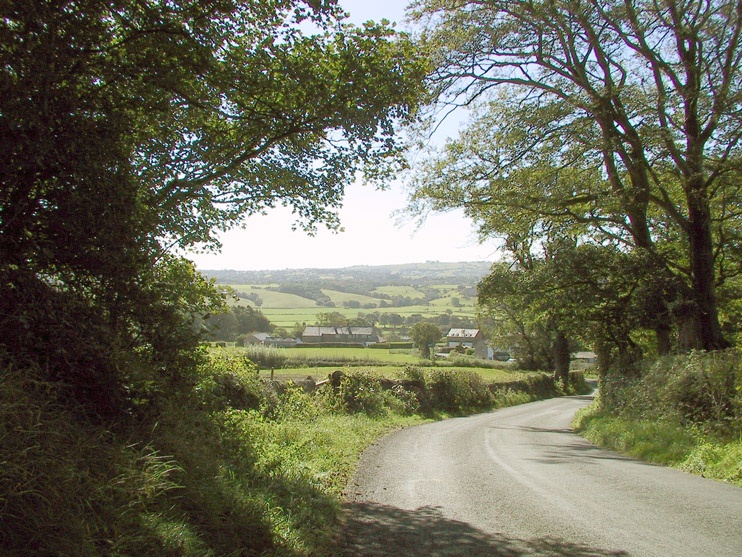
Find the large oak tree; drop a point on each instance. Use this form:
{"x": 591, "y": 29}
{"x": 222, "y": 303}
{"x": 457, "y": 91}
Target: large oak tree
{"x": 618, "y": 120}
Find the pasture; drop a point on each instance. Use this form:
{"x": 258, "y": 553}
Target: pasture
{"x": 285, "y": 309}
{"x": 319, "y": 362}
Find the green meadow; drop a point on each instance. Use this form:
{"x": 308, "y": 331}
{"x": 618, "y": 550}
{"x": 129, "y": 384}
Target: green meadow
{"x": 285, "y": 309}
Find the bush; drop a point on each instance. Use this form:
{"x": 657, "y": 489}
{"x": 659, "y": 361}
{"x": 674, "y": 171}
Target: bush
{"x": 460, "y": 392}
{"x": 229, "y": 380}
{"x": 683, "y": 411}
{"x": 702, "y": 390}
{"x": 362, "y": 392}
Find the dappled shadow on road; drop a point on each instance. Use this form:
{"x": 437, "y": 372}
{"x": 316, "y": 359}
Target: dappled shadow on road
{"x": 570, "y": 447}
{"x": 373, "y": 530}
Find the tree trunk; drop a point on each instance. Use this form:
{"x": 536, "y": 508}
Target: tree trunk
{"x": 561, "y": 359}
{"x": 662, "y": 335}
{"x": 705, "y": 312}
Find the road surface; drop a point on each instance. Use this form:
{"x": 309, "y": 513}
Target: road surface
{"x": 519, "y": 482}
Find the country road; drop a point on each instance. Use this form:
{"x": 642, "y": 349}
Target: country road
{"x": 519, "y": 482}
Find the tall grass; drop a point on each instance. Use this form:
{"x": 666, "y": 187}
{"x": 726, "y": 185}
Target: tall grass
{"x": 229, "y": 465}
{"x": 681, "y": 411}
{"x": 69, "y": 487}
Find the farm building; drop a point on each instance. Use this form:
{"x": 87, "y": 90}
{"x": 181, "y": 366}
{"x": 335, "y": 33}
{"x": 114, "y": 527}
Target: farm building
{"x": 257, "y": 338}
{"x": 583, "y": 360}
{"x": 266, "y": 339}
{"x": 468, "y": 338}
{"x": 339, "y": 335}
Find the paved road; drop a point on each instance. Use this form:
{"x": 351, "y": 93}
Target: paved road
{"x": 518, "y": 482}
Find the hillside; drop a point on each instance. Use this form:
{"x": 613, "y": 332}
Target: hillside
{"x": 405, "y": 293}
{"x": 412, "y": 274}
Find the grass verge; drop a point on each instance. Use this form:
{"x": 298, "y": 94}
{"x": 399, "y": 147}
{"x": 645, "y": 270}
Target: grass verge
{"x": 662, "y": 442}
{"x": 230, "y": 465}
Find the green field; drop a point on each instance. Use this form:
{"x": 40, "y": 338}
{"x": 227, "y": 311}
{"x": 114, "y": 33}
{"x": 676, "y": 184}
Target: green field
{"x": 341, "y": 298}
{"x": 285, "y": 310}
{"x": 319, "y": 362}
{"x": 407, "y": 291}
{"x": 272, "y": 299}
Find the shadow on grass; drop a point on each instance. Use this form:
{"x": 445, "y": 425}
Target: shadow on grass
{"x": 373, "y": 530}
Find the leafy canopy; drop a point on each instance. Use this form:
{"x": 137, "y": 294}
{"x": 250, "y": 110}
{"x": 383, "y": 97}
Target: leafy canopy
{"x": 615, "y": 122}
{"x": 132, "y": 127}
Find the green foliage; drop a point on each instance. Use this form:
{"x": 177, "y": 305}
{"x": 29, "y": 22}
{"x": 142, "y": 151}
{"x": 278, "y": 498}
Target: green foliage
{"x": 234, "y": 321}
{"x": 70, "y": 487}
{"x": 655, "y": 441}
{"x": 362, "y": 392}
{"x": 423, "y": 335}
{"x": 682, "y": 411}
{"x": 553, "y": 152}
{"x": 664, "y": 442}
{"x": 266, "y": 357}
{"x": 702, "y": 390}
{"x": 459, "y": 391}
{"x": 136, "y": 128}
{"x": 462, "y": 392}
{"x": 720, "y": 461}
{"x": 228, "y": 380}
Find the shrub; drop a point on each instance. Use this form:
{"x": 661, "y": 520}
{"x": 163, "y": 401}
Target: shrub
{"x": 702, "y": 390}
{"x": 362, "y": 392}
{"x": 458, "y": 392}
{"x": 228, "y": 380}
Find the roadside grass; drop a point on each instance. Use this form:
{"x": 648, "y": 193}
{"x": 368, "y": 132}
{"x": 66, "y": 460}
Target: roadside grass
{"x": 664, "y": 443}
{"x": 227, "y": 464}
{"x": 684, "y": 412}
{"x": 652, "y": 441}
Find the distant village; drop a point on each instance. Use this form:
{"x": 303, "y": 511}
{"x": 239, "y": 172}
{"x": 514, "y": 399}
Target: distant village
{"x": 471, "y": 339}
{"x": 456, "y": 340}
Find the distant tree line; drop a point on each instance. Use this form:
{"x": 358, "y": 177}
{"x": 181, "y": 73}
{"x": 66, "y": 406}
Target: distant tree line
{"x": 235, "y": 321}
{"x": 393, "y": 320}
{"x": 252, "y": 296}
{"x": 309, "y": 291}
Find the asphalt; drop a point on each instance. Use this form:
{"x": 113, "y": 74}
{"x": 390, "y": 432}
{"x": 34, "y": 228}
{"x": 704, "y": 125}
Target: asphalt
{"x": 519, "y": 482}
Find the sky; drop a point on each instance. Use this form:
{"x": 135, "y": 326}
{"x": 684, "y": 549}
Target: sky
{"x": 374, "y": 233}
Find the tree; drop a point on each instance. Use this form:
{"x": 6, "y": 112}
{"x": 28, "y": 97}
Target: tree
{"x": 234, "y": 321}
{"x": 589, "y": 294}
{"x": 424, "y": 335}
{"x": 332, "y": 319}
{"x": 135, "y": 127}
{"x": 619, "y": 118}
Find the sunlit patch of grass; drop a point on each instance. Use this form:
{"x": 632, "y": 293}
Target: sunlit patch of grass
{"x": 720, "y": 461}
{"x": 654, "y": 441}
{"x": 663, "y": 442}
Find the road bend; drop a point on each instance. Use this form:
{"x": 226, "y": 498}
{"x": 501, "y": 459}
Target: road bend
{"x": 519, "y": 481}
